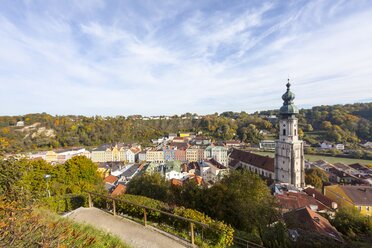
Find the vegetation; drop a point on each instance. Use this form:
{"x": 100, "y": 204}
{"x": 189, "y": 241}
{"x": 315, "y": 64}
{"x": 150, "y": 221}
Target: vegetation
{"x": 24, "y": 218}
{"x": 251, "y": 210}
{"x": 316, "y": 177}
{"x": 218, "y": 235}
{"x": 27, "y": 227}
{"x": 351, "y": 123}
{"x": 26, "y": 193}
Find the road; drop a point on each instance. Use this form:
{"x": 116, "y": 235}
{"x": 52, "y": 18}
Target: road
{"x": 131, "y": 233}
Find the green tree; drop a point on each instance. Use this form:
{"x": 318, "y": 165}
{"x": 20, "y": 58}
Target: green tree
{"x": 150, "y": 185}
{"x": 316, "y": 177}
{"x": 350, "y": 222}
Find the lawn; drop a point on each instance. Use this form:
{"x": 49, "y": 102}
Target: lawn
{"x": 329, "y": 159}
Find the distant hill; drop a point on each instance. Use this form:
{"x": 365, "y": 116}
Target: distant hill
{"x": 350, "y": 123}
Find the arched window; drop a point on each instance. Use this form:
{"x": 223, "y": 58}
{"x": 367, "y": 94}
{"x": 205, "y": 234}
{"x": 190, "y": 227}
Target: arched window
{"x": 295, "y": 131}
{"x": 284, "y": 132}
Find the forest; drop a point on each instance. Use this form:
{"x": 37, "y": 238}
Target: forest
{"x": 350, "y": 124}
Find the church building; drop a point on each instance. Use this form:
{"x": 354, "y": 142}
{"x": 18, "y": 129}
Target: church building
{"x": 289, "y": 150}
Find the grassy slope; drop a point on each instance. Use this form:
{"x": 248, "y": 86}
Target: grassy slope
{"x": 326, "y": 158}
{"x": 41, "y": 228}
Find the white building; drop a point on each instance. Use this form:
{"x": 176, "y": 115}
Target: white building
{"x": 176, "y": 175}
{"x": 132, "y": 154}
{"x": 289, "y": 152}
{"x": 326, "y": 145}
{"x": 218, "y": 153}
{"x": 212, "y": 171}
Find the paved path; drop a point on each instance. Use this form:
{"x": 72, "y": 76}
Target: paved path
{"x": 130, "y": 232}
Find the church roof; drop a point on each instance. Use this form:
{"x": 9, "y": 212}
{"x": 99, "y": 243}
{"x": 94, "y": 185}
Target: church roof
{"x": 288, "y": 107}
{"x": 256, "y": 160}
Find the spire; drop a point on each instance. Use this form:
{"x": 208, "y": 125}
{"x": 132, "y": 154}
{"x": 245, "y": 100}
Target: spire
{"x": 288, "y": 85}
{"x": 288, "y": 107}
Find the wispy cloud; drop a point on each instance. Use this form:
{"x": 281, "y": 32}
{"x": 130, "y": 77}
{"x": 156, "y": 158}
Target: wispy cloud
{"x": 160, "y": 57}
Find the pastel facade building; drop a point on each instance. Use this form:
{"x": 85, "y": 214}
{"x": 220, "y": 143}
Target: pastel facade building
{"x": 156, "y": 156}
{"x": 109, "y": 153}
{"x": 218, "y": 153}
{"x": 359, "y": 197}
{"x": 194, "y": 154}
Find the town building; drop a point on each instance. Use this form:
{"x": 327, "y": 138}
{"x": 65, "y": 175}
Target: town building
{"x": 109, "y": 153}
{"x": 132, "y": 154}
{"x": 262, "y": 165}
{"x": 359, "y": 197}
{"x": 194, "y": 154}
{"x": 169, "y": 153}
{"x": 267, "y": 145}
{"x": 180, "y": 155}
{"x": 233, "y": 143}
{"x": 211, "y": 170}
{"x": 289, "y": 151}
{"x": 218, "y": 153}
{"x": 156, "y": 156}
{"x": 142, "y": 156}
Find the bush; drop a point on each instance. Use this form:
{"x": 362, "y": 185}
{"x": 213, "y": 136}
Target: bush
{"x": 351, "y": 223}
{"x": 219, "y": 234}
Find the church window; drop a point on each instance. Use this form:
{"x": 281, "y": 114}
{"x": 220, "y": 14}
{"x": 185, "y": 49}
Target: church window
{"x": 284, "y": 132}
{"x": 295, "y": 131}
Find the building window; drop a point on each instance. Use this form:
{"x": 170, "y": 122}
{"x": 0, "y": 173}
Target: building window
{"x": 284, "y": 132}
{"x": 295, "y": 131}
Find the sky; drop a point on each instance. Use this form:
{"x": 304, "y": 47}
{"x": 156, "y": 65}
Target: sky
{"x": 96, "y": 57}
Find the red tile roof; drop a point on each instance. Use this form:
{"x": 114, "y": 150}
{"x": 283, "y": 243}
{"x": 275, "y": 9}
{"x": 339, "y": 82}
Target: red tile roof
{"x": 110, "y": 179}
{"x": 295, "y": 200}
{"x": 308, "y": 220}
{"x": 176, "y": 182}
{"x": 119, "y": 190}
{"x": 256, "y": 160}
{"x": 319, "y": 196}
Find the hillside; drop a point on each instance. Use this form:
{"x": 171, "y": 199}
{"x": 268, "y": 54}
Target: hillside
{"x": 349, "y": 124}
{"x": 27, "y": 227}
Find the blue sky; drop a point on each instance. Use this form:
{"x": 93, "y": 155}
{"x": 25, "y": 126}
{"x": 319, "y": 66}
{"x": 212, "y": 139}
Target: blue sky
{"x": 170, "y": 57}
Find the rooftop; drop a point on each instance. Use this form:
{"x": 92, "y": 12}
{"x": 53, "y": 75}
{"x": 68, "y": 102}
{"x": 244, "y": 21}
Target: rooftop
{"x": 306, "y": 219}
{"x": 263, "y": 162}
{"x": 360, "y": 195}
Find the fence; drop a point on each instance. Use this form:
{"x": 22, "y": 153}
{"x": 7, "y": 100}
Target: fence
{"x": 196, "y": 229}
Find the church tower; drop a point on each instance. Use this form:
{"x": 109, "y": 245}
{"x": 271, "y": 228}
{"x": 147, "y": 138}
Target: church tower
{"x": 289, "y": 150}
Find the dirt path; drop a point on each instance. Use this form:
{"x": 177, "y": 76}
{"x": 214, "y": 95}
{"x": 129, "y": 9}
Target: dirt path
{"x": 130, "y": 232}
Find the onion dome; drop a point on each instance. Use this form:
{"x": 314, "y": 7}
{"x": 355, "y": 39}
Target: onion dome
{"x": 288, "y": 107}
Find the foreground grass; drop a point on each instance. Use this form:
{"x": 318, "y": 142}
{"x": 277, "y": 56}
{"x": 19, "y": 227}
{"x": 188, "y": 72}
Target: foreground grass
{"x": 40, "y": 228}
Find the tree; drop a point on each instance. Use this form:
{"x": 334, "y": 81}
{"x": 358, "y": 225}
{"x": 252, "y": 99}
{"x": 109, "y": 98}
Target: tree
{"x": 78, "y": 174}
{"x": 150, "y": 185}
{"x": 350, "y": 222}
{"x": 316, "y": 177}
{"x": 251, "y": 134}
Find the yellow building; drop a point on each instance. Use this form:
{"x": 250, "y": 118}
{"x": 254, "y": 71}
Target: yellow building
{"x": 194, "y": 154}
{"x": 183, "y": 135}
{"x": 109, "y": 153}
{"x": 155, "y": 156}
{"x": 359, "y": 197}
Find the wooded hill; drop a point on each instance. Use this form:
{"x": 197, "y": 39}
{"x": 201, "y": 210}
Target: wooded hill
{"x": 350, "y": 124}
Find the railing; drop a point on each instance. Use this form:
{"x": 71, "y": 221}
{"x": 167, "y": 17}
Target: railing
{"x": 239, "y": 242}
